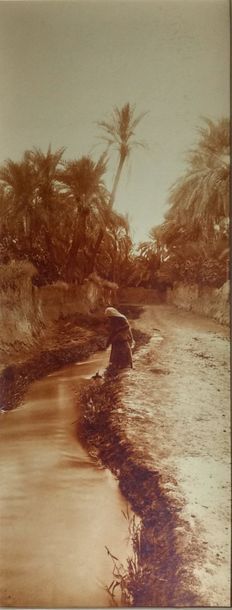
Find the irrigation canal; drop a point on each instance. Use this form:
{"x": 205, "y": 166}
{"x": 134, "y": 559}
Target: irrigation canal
{"x": 57, "y": 509}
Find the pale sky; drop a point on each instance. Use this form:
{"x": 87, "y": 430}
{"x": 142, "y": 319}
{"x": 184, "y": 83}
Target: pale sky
{"x": 65, "y": 65}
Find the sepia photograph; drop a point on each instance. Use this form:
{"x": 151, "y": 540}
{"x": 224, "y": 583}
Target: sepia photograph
{"x": 115, "y": 453}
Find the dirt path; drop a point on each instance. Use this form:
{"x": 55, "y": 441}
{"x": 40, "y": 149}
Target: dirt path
{"x": 178, "y": 408}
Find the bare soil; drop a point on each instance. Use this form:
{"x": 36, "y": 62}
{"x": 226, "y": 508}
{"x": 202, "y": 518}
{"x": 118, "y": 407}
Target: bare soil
{"x": 177, "y": 401}
{"x": 163, "y": 429}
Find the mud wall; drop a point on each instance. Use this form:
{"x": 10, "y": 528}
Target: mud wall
{"x": 211, "y": 302}
{"x": 25, "y": 310}
{"x": 21, "y": 318}
{"x": 61, "y": 299}
{"x": 143, "y": 296}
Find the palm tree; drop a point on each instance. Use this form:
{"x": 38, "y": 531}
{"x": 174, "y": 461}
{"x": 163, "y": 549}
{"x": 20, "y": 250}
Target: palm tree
{"x": 46, "y": 167}
{"x": 196, "y": 223}
{"x": 114, "y": 253}
{"x": 201, "y": 196}
{"x": 214, "y": 140}
{"x": 146, "y": 264}
{"x": 18, "y": 185}
{"x": 119, "y": 134}
{"x": 83, "y": 181}
{"x": 31, "y": 208}
{"x": 30, "y": 187}
{"x": 108, "y": 231}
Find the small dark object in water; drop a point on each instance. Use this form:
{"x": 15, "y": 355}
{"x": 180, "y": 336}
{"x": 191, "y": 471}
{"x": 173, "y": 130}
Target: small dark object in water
{"x": 97, "y": 376}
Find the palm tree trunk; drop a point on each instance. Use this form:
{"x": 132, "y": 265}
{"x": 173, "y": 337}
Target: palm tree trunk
{"x": 95, "y": 251}
{"x": 79, "y": 241}
{"x": 117, "y": 178}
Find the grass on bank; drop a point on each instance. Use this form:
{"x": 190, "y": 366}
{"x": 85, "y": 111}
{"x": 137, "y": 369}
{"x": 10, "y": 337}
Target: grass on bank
{"x": 126, "y": 578}
{"x": 160, "y": 572}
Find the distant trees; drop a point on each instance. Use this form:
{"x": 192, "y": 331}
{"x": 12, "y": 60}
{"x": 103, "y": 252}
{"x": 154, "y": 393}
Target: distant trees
{"x": 145, "y": 264}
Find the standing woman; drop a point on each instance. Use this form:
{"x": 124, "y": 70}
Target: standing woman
{"x": 120, "y": 338}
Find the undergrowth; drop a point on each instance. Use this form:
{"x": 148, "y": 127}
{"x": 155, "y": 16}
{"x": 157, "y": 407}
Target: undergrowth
{"x": 160, "y": 571}
{"x": 126, "y": 577}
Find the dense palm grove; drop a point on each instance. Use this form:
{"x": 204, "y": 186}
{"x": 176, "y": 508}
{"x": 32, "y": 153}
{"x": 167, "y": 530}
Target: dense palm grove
{"x": 193, "y": 241}
{"x": 59, "y": 215}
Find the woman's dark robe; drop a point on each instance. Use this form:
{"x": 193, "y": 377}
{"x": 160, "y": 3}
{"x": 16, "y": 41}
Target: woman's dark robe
{"x": 120, "y": 339}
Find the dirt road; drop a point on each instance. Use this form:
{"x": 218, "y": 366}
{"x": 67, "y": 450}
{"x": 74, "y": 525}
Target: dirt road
{"x": 178, "y": 409}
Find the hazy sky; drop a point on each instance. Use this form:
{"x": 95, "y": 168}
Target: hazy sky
{"x": 64, "y": 65}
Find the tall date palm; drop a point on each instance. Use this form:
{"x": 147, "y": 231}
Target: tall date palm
{"x": 119, "y": 134}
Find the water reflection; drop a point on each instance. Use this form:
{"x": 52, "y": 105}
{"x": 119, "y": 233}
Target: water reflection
{"x": 57, "y": 510}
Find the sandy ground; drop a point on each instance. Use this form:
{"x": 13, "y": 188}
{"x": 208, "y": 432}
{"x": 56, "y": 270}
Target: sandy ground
{"x": 178, "y": 406}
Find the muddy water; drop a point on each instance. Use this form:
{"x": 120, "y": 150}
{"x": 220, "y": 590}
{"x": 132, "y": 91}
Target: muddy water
{"x": 57, "y": 509}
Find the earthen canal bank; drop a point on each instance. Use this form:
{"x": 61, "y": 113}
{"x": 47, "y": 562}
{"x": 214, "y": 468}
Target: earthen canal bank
{"x": 137, "y": 408}
{"x": 163, "y": 430}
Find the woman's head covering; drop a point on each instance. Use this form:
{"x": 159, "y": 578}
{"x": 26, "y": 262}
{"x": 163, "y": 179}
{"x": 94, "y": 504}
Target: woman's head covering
{"x": 111, "y": 312}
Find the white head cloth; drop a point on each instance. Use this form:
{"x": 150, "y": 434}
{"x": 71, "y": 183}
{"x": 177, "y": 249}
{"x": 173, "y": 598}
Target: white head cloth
{"x": 111, "y": 312}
